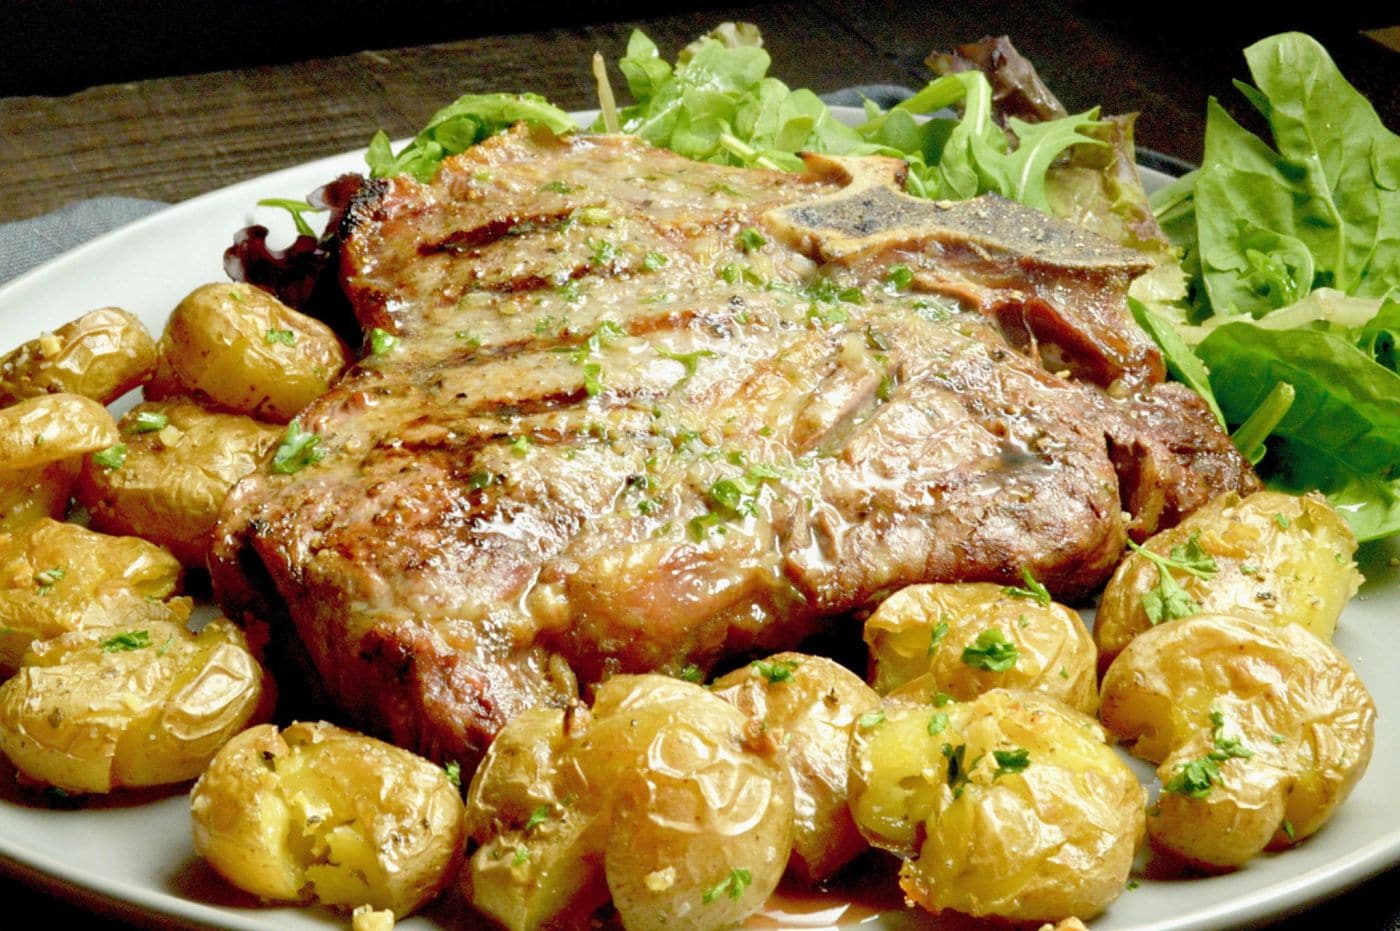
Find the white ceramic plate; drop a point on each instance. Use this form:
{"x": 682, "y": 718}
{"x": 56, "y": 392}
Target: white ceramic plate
{"x": 137, "y": 855}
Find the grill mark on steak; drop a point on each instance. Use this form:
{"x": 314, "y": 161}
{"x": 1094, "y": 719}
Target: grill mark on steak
{"x": 492, "y": 526}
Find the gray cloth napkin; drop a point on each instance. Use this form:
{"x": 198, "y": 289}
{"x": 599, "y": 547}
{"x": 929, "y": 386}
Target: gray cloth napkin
{"x": 27, "y": 243}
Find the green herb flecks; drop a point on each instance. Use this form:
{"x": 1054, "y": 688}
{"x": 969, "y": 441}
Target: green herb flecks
{"x": 298, "y": 449}
{"x": 1033, "y": 590}
{"x": 1167, "y": 600}
{"x": 127, "y": 641}
{"x": 775, "y": 671}
{"x": 991, "y": 652}
{"x": 381, "y": 341}
{"x": 1010, "y": 761}
{"x": 113, "y": 457}
{"x": 284, "y": 337}
{"x": 146, "y": 422}
{"x": 732, "y": 886}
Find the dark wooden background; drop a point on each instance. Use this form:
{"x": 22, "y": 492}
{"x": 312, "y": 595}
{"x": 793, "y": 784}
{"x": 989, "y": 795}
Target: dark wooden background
{"x": 165, "y": 100}
{"x": 300, "y": 85}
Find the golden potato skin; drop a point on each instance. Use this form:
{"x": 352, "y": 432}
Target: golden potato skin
{"x": 1281, "y": 559}
{"x": 242, "y": 350}
{"x": 52, "y": 428}
{"x": 38, "y": 491}
{"x": 101, "y": 355}
{"x": 174, "y": 479}
{"x": 664, "y": 798}
{"x": 130, "y": 706}
{"x": 56, "y": 578}
{"x": 1048, "y": 841}
{"x": 532, "y": 767}
{"x": 319, "y": 813}
{"x": 1301, "y": 717}
{"x": 702, "y": 804}
{"x": 809, "y": 705}
{"x": 922, "y": 630}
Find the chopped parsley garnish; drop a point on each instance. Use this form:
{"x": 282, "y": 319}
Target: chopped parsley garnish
{"x": 472, "y": 341}
{"x": 127, "y": 641}
{"x": 751, "y": 239}
{"x": 285, "y": 337}
{"x": 1196, "y": 778}
{"x": 1283, "y": 522}
{"x": 522, "y": 856}
{"x": 943, "y": 698}
{"x": 732, "y": 885}
{"x": 940, "y": 630}
{"x": 147, "y": 422}
{"x": 1288, "y": 829}
{"x": 691, "y": 673}
{"x": 557, "y": 187}
{"x": 1168, "y": 600}
{"x": 826, "y": 291}
{"x": 454, "y": 772}
{"x": 991, "y": 652}
{"x": 297, "y": 450}
{"x": 775, "y": 671}
{"x": 481, "y": 479}
{"x": 691, "y": 360}
{"x": 959, "y": 772}
{"x": 1010, "y": 761}
{"x": 654, "y": 260}
{"x": 49, "y": 577}
{"x": 296, "y": 208}
{"x": 381, "y": 341}
{"x": 520, "y": 446}
{"x": 537, "y": 817}
{"x": 113, "y": 457}
{"x": 898, "y": 277}
{"x": 938, "y": 723}
{"x": 604, "y": 252}
{"x": 876, "y": 341}
{"x": 1033, "y": 590}
{"x": 733, "y": 498}
{"x": 870, "y": 719}
{"x": 1276, "y": 739}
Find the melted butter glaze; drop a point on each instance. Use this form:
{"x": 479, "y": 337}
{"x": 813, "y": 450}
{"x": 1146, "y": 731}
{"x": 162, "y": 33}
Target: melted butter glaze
{"x": 620, "y": 431}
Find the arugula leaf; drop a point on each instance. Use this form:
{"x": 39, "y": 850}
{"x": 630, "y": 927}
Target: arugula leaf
{"x": 459, "y": 126}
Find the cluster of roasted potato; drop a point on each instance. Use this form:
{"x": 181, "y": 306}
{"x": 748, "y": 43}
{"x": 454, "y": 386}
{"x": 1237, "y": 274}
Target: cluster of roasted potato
{"x": 973, "y": 754}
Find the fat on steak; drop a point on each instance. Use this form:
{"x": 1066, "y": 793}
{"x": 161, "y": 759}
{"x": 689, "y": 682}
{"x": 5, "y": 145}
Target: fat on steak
{"x": 644, "y": 412}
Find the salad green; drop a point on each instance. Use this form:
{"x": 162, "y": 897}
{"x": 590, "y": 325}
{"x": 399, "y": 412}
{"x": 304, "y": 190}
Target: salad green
{"x": 1277, "y": 263}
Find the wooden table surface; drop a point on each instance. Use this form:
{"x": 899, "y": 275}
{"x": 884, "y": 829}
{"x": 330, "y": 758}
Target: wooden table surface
{"x": 170, "y": 138}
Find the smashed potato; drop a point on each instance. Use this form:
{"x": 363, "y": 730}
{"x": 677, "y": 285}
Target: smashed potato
{"x": 665, "y": 799}
{"x": 1012, "y": 805}
{"x": 1260, "y": 732}
{"x": 181, "y": 461}
{"x": 963, "y": 639}
{"x": 1272, "y": 557}
{"x": 808, "y": 704}
{"x": 53, "y": 428}
{"x": 97, "y": 710}
{"x": 38, "y": 491}
{"x": 56, "y": 578}
{"x": 242, "y": 350}
{"x": 101, "y": 355}
{"x": 320, "y": 813}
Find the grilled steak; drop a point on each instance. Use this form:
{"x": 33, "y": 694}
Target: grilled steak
{"x": 644, "y": 412}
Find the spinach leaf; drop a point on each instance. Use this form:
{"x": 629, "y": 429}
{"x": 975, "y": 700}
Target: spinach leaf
{"x": 1183, "y": 364}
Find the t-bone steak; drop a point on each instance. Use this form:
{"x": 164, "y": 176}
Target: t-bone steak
{"x": 643, "y": 412}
